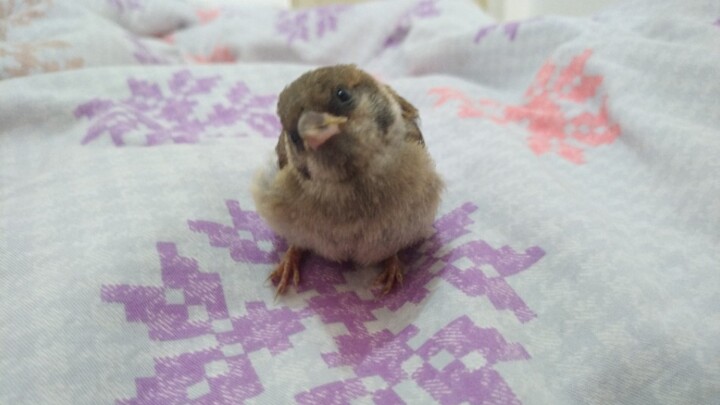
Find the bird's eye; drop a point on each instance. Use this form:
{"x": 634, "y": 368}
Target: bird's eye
{"x": 343, "y": 95}
{"x": 295, "y": 138}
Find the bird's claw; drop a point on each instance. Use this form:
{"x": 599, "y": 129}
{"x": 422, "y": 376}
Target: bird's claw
{"x": 392, "y": 273}
{"x": 289, "y": 265}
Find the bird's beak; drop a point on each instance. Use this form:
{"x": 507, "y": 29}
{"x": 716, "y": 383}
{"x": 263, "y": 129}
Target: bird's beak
{"x": 316, "y": 128}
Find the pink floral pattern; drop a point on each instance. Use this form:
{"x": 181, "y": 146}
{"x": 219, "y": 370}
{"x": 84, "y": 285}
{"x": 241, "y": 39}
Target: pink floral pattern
{"x": 548, "y": 113}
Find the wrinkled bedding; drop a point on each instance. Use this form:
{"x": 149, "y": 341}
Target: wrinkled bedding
{"x": 575, "y": 259}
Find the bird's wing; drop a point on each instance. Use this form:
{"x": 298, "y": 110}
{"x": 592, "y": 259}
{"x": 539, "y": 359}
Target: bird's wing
{"x": 411, "y": 116}
{"x": 281, "y": 151}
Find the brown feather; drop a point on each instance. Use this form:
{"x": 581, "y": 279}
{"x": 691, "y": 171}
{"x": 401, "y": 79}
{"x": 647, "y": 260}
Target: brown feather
{"x": 410, "y": 115}
{"x": 280, "y": 150}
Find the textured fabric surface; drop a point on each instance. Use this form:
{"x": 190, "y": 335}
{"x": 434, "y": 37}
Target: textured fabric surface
{"x": 575, "y": 259}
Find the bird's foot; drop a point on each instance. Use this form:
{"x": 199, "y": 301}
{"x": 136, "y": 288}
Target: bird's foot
{"x": 392, "y": 273}
{"x": 289, "y": 267}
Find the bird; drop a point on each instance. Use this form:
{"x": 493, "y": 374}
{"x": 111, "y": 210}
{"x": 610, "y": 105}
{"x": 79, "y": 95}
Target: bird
{"x": 353, "y": 180}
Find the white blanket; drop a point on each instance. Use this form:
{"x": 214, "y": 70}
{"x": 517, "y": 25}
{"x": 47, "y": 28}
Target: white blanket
{"x": 576, "y": 259}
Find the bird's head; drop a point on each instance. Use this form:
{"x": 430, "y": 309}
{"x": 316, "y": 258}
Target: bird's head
{"x": 337, "y": 120}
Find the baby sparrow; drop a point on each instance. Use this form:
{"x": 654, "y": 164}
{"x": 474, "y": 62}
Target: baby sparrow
{"x": 353, "y": 180}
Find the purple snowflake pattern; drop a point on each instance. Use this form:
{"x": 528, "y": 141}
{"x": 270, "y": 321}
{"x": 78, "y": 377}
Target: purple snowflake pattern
{"x": 298, "y": 25}
{"x": 191, "y": 303}
{"x": 474, "y": 268}
{"x": 248, "y": 239}
{"x": 509, "y": 29}
{"x": 466, "y": 374}
{"x": 454, "y": 365}
{"x": 421, "y": 10}
{"x": 153, "y": 115}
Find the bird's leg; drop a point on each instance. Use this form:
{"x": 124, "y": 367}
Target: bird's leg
{"x": 392, "y": 273}
{"x": 289, "y": 266}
